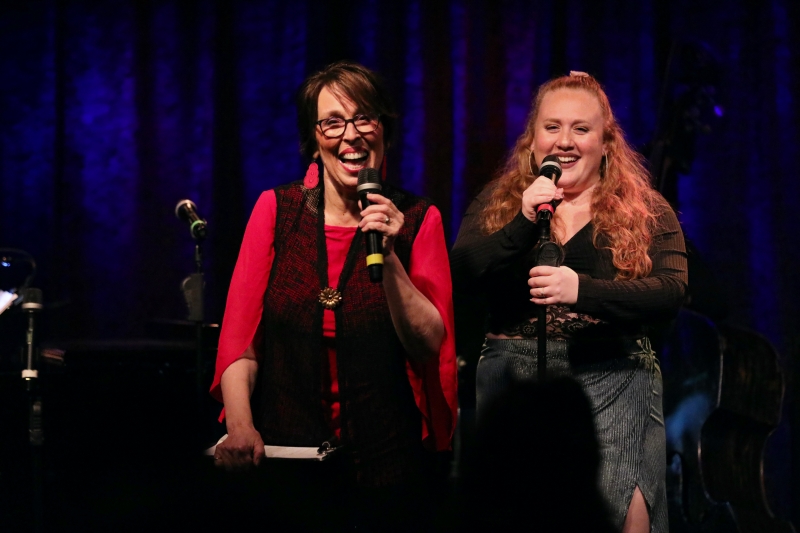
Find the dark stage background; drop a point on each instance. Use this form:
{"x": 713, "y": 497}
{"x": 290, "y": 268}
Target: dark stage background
{"x": 111, "y": 112}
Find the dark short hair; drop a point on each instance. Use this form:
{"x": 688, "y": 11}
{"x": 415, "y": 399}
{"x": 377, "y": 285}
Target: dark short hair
{"x": 353, "y": 81}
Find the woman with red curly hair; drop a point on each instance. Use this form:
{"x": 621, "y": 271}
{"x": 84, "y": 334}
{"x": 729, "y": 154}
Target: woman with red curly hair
{"x": 623, "y": 274}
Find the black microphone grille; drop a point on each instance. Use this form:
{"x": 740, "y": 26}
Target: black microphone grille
{"x": 183, "y": 205}
{"x": 550, "y": 167}
{"x": 32, "y": 298}
{"x": 368, "y": 179}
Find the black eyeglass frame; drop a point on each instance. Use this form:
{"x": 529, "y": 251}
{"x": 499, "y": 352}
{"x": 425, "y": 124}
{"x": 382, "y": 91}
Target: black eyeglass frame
{"x": 376, "y": 119}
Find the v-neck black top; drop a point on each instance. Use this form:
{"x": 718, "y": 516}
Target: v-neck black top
{"x": 495, "y": 268}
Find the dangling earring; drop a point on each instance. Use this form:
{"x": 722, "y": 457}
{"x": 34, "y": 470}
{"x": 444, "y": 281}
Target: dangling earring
{"x": 311, "y": 180}
{"x": 383, "y": 168}
{"x": 604, "y": 166}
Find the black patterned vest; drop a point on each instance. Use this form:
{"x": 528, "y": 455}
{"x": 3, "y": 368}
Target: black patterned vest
{"x": 380, "y": 423}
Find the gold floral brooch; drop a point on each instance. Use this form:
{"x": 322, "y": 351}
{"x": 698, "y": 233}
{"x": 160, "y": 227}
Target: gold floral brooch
{"x": 330, "y": 298}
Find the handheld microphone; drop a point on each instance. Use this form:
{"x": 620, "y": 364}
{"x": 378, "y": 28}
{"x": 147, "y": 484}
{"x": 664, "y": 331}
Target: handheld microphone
{"x": 548, "y": 253}
{"x": 370, "y": 182}
{"x": 551, "y": 169}
{"x": 31, "y": 305}
{"x": 186, "y": 210}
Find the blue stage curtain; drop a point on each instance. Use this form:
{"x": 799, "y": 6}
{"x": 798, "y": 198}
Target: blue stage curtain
{"x": 112, "y": 111}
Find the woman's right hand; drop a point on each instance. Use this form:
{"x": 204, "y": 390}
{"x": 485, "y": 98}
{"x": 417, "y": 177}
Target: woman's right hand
{"x": 541, "y": 191}
{"x": 243, "y": 449}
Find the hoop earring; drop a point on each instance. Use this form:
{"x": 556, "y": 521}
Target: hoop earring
{"x": 530, "y": 164}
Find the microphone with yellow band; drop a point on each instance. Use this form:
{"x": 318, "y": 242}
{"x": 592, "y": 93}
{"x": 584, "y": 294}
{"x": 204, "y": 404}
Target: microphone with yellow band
{"x": 369, "y": 181}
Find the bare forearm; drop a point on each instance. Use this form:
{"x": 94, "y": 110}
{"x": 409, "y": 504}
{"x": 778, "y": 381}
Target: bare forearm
{"x": 243, "y": 448}
{"x": 416, "y": 320}
{"x": 237, "y": 383}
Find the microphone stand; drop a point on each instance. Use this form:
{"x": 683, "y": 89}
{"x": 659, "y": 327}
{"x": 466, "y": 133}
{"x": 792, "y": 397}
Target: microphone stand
{"x": 548, "y": 253}
{"x": 193, "y": 289}
{"x": 32, "y": 304}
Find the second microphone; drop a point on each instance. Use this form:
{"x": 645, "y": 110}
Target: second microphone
{"x": 369, "y": 181}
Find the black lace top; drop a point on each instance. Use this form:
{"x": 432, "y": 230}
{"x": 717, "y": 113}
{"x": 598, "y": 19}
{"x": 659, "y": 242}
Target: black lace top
{"x": 493, "y": 270}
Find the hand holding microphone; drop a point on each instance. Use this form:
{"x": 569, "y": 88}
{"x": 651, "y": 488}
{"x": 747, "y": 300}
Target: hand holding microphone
{"x": 548, "y": 253}
{"x": 381, "y": 221}
{"x": 370, "y": 182}
{"x": 550, "y": 169}
{"x": 544, "y": 189}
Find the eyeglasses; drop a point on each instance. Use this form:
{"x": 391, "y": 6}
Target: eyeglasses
{"x": 333, "y": 127}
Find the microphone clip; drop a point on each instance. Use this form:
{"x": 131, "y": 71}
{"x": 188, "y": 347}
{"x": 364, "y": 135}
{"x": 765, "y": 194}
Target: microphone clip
{"x": 549, "y": 253}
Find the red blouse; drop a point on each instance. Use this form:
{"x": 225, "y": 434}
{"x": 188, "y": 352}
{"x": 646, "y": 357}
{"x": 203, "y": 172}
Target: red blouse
{"x": 434, "y": 382}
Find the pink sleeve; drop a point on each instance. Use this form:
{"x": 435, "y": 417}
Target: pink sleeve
{"x": 435, "y": 382}
{"x": 245, "y": 304}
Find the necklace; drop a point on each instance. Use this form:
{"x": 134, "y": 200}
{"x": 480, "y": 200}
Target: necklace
{"x": 330, "y": 297}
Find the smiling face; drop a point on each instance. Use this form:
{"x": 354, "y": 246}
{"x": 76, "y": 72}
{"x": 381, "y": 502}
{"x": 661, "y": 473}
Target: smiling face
{"x": 569, "y": 124}
{"x": 344, "y": 156}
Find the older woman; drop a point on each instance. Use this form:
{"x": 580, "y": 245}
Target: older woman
{"x": 311, "y": 348}
{"x": 624, "y": 272}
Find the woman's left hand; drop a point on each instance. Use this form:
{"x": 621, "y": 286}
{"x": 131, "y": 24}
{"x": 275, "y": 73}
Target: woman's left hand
{"x": 553, "y": 285}
{"x": 384, "y": 217}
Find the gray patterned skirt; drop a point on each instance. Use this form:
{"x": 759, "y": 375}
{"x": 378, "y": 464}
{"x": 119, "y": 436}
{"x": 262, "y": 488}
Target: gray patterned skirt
{"x": 625, "y": 395}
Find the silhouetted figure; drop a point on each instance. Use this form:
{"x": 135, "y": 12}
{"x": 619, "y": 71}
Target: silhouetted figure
{"x": 535, "y": 463}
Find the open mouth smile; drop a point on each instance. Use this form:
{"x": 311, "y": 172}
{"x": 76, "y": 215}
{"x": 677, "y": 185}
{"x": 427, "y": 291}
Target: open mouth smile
{"x": 354, "y": 161}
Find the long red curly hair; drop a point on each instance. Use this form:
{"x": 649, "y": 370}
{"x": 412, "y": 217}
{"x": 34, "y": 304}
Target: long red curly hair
{"x": 624, "y": 204}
